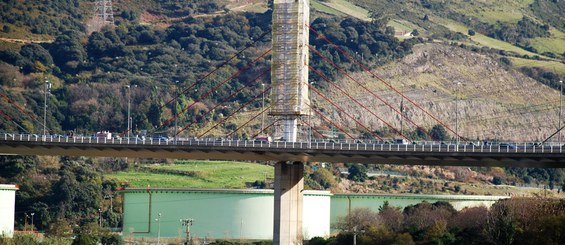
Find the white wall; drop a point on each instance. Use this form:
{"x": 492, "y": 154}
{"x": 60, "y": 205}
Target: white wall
{"x": 7, "y": 209}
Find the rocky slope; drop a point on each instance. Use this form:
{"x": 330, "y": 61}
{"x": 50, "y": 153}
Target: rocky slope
{"x": 493, "y": 102}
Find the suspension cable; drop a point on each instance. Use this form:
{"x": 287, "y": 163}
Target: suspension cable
{"x": 344, "y": 112}
{"x": 268, "y": 126}
{"x": 383, "y": 81}
{"x": 356, "y": 101}
{"x": 333, "y": 123}
{"x": 11, "y": 120}
{"x": 311, "y": 127}
{"x": 217, "y": 68}
{"x": 216, "y": 87}
{"x": 224, "y": 100}
{"x": 240, "y": 108}
{"x": 373, "y": 94}
{"x": 248, "y": 121}
{"x": 31, "y": 116}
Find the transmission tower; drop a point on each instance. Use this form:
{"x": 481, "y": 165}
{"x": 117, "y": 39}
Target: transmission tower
{"x": 103, "y": 11}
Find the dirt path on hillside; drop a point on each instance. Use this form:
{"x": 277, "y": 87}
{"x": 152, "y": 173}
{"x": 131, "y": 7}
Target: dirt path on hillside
{"x": 25, "y": 41}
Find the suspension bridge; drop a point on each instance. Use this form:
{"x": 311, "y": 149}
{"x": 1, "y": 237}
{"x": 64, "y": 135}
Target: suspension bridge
{"x": 290, "y": 112}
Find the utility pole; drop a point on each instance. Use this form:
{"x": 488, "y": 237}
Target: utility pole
{"x": 187, "y": 223}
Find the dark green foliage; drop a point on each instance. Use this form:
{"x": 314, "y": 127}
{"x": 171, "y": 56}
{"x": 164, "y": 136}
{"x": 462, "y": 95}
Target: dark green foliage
{"x": 544, "y": 76}
{"x": 35, "y": 52}
{"x": 497, "y": 180}
{"x": 43, "y": 17}
{"x": 367, "y": 42}
{"x": 112, "y": 239}
{"x": 357, "y": 172}
{"x": 67, "y": 51}
{"x": 509, "y": 32}
{"x": 550, "y": 11}
{"x": 471, "y": 32}
{"x": 438, "y": 132}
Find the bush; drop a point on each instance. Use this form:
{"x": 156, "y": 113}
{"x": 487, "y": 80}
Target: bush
{"x": 471, "y": 32}
{"x": 497, "y": 180}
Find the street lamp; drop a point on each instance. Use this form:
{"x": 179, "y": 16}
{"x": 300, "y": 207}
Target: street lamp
{"x": 401, "y": 110}
{"x": 32, "y": 214}
{"x": 176, "y": 112}
{"x": 263, "y": 108}
{"x": 47, "y": 86}
{"x": 129, "y": 107}
{"x": 100, "y": 217}
{"x": 457, "y": 113}
{"x": 25, "y": 221}
{"x": 560, "y": 109}
{"x": 159, "y": 230}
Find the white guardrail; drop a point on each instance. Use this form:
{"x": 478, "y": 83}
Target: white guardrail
{"x": 345, "y": 145}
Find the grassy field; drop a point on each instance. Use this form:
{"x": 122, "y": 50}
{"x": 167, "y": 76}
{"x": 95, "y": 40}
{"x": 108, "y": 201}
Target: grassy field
{"x": 554, "y": 44}
{"x": 348, "y": 8}
{"x": 196, "y": 174}
{"x": 317, "y": 5}
{"x": 484, "y": 40}
{"x": 548, "y": 65}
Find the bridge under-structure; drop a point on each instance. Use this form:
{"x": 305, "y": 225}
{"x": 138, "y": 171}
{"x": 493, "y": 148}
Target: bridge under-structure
{"x": 289, "y": 82}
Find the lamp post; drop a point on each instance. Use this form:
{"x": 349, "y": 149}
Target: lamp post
{"x": 128, "y": 87}
{"x": 311, "y": 135}
{"x": 25, "y": 221}
{"x": 32, "y": 214}
{"x": 560, "y": 110}
{"x": 100, "y": 217}
{"x": 159, "y": 229}
{"x": 457, "y": 112}
{"x": 401, "y": 110}
{"x": 47, "y": 86}
{"x": 263, "y": 108}
{"x": 176, "y": 112}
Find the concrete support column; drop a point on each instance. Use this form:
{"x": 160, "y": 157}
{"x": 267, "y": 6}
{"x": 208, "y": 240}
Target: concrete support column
{"x": 289, "y": 184}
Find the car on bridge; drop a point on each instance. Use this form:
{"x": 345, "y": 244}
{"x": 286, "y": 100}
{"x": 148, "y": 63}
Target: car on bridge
{"x": 507, "y": 146}
{"x": 159, "y": 139}
{"x": 261, "y": 139}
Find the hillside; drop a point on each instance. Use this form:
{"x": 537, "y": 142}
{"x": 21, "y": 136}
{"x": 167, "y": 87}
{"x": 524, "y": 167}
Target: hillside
{"x": 494, "y": 101}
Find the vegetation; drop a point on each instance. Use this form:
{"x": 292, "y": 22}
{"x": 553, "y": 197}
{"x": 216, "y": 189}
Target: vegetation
{"x": 506, "y": 222}
{"x": 196, "y": 174}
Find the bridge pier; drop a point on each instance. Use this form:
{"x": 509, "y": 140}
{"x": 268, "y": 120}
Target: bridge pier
{"x": 289, "y": 184}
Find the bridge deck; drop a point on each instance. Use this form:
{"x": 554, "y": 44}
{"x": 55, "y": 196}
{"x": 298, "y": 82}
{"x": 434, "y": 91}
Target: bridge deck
{"x": 425, "y": 154}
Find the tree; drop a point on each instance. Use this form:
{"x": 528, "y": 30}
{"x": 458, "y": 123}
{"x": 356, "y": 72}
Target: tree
{"x": 357, "y": 172}
{"x": 35, "y": 52}
{"x": 67, "y": 51}
{"x": 497, "y": 180}
{"x": 471, "y": 32}
{"x": 324, "y": 177}
{"x": 358, "y": 218}
{"x": 438, "y": 132}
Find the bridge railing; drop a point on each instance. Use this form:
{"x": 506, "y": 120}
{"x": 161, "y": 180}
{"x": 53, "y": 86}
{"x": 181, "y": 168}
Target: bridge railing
{"x": 313, "y": 145}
